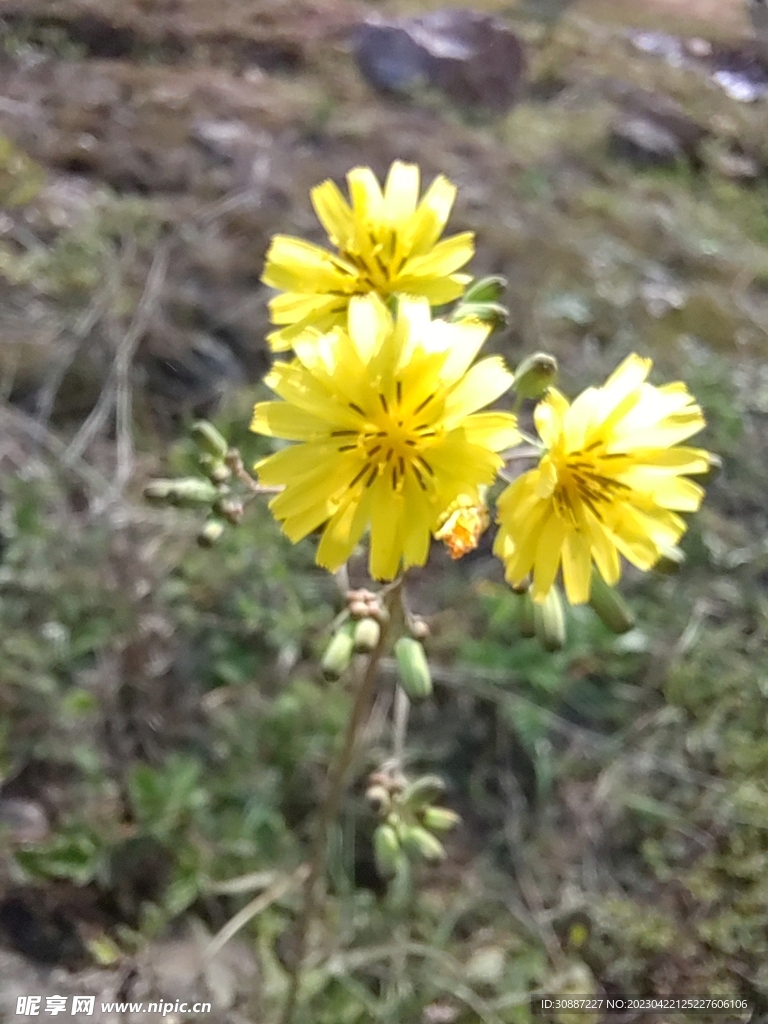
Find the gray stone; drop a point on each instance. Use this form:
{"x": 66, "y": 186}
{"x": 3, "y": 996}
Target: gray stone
{"x": 472, "y": 58}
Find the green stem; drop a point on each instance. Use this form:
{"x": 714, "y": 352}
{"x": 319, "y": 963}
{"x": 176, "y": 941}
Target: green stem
{"x": 330, "y": 807}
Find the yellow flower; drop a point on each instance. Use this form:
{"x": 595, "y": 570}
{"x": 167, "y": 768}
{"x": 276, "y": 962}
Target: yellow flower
{"x": 386, "y": 416}
{"x": 610, "y": 482}
{"x": 387, "y": 243}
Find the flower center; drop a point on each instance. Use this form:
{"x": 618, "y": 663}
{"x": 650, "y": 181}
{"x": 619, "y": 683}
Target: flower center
{"x": 375, "y": 263}
{"x": 583, "y": 478}
{"x": 391, "y": 443}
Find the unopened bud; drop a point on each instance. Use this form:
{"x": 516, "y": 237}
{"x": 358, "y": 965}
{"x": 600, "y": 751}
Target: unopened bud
{"x": 527, "y": 615}
{"x": 231, "y": 509}
{"x": 386, "y": 850}
{"x": 220, "y": 473}
{"x": 418, "y": 843}
{"x": 379, "y": 800}
{"x": 419, "y": 628}
{"x": 535, "y": 375}
{"x": 714, "y": 471}
{"x": 358, "y": 609}
{"x": 187, "y": 491}
{"x": 670, "y": 561}
{"x": 492, "y": 313}
{"x": 209, "y": 439}
{"x": 423, "y": 792}
{"x": 338, "y": 654}
{"x": 440, "y": 819}
{"x": 550, "y": 621}
{"x": 485, "y": 289}
{"x": 366, "y": 636}
{"x": 415, "y": 677}
{"x": 210, "y": 533}
{"x": 610, "y": 606}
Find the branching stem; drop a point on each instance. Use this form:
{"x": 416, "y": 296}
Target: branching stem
{"x": 331, "y": 805}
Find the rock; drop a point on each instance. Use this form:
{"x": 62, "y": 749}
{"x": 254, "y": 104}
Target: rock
{"x": 740, "y": 70}
{"x": 24, "y": 820}
{"x": 733, "y": 164}
{"x": 472, "y": 58}
{"x": 653, "y": 129}
{"x": 644, "y": 142}
{"x": 389, "y": 58}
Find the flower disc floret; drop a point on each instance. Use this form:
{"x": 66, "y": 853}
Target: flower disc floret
{"x": 386, "y": 416}
{"x": 611, "y": 481}
{"x": 387, "y": 243}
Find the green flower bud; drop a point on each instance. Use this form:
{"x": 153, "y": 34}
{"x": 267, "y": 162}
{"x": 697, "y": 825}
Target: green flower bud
{"x": 670, "y": 562}
{"x": 386, "y": 850}
{"x": 420, "y": 844}
{"x": 486, "y": 289}
{"x": 415, "y": 677}
{"x": 440, "y": 819}
{"x": 610, "y": 605}
{"x": 187, "y": 491}
{"x": 159, "y": 491}
{"x": 209, "y": 439}
{"x": 210, "y": 533}
{"x": 423, "y": 792}
{"x": 366, "y": 636}
{"x": 527, "y": 615}
{"x": 534, "y": 375}
{"x": 715, "y": 469}
{"x": 220, "y": 473}
{"x": 338, "y": 654}
{"x": 492, "y": 313}
{"x": 550, "y": 621}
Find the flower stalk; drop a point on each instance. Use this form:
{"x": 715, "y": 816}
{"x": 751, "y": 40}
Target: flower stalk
{"x": 331, "y": 805}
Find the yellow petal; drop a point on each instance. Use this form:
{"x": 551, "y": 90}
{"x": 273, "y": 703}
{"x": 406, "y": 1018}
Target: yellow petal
{"x": 577, "y": 567}
{"x": 480, "y": 385}
{"x": 343, "y": 532}
{"x": 549, "y": 416}
{"x": 401, "y": 193}
{"x": 278, "y": 419}
{"x": 334, "y": 213}
{"x": 443, "y": 259}
{"x": 431, "y": 215}
{"x": 386, "y": 532}
{"x": 549, "y": 551}
{"x": 365, "y": 193}
{"x": 494, "y": 430}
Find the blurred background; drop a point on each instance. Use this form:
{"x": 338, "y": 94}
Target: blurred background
{"x": 164, "y": 733}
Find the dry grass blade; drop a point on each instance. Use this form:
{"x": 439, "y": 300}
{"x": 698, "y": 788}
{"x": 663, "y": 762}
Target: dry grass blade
{"x": 117, "y": 393}
{"x": 257, "y": 906}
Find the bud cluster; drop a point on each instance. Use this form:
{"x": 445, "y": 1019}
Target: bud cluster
{"x": 220, "y": 463}
{"x": 410, "y": 820}
{"x": 358, "y": 632}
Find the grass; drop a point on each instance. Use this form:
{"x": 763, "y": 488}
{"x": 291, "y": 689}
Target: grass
{"x": 613, "y": 794}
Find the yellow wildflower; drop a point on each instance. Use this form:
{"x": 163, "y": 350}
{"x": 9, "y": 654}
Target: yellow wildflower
{"x": 387, "y": 243}
{"x": 386, "y": 416}
{"x": 610, "y": 482}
